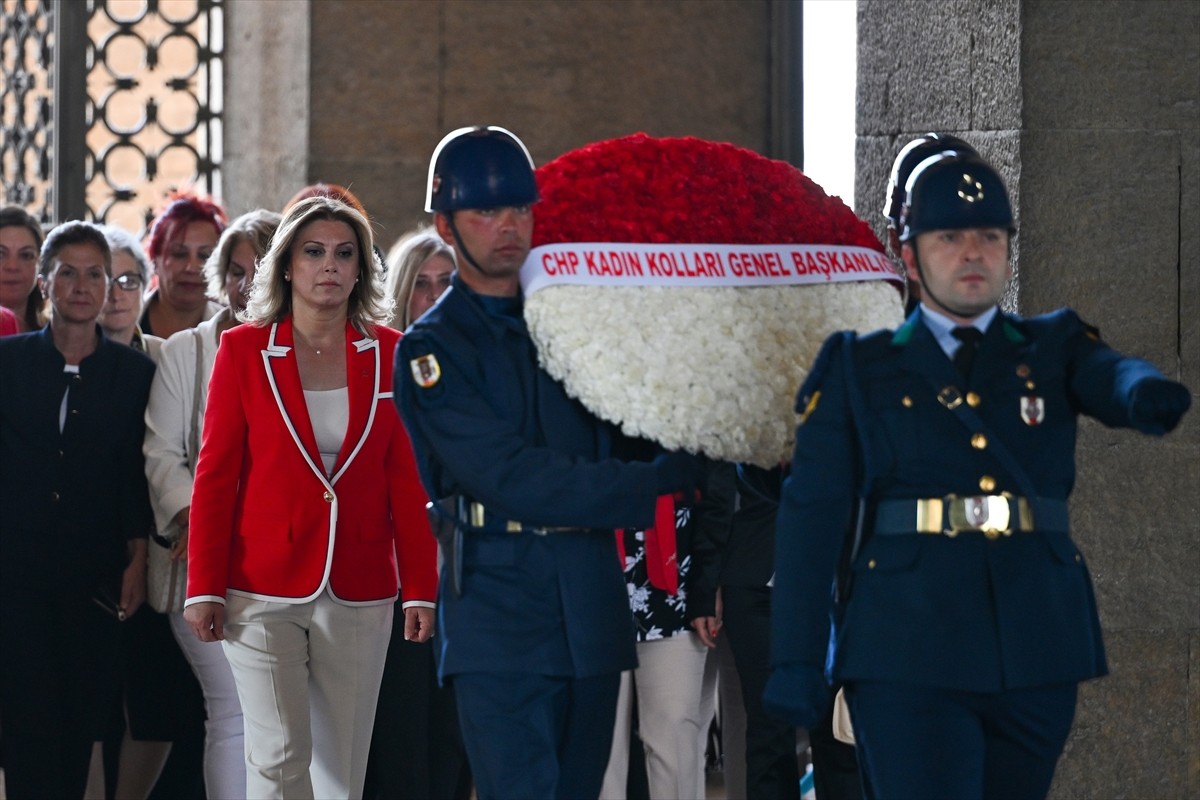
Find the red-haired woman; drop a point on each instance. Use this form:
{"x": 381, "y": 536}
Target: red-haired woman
{"x": 181, "y": 239}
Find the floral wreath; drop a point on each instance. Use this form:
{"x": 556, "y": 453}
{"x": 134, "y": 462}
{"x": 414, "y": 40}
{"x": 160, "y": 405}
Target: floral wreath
{"x": 705, "y": 368}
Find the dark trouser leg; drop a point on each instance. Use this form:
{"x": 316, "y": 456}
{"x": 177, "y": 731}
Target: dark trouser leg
{"x": 926, "y": 743}
{"x": 771, "y": 770}
{"x": 398, "y": 764}
{"x": 835, "y": 765}
{"x": 523, "y": 733}
{"x": 587, "y": 735}
{"x": 57, "y": 679}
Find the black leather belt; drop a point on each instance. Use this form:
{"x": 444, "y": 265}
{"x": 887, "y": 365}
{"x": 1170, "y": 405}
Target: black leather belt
{"x": 993, "y": 515}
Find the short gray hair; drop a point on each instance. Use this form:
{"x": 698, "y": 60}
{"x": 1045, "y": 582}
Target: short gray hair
{"x": 122, "y": 241}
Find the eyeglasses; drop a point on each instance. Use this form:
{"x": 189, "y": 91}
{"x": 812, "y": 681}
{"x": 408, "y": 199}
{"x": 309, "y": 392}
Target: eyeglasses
{"x": 130, "y": 281}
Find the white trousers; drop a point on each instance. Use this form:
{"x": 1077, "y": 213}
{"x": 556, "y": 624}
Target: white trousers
{"x": 308, "y": 677}
{"x": 224, "y": 742}
{"x": 675, "y": 681}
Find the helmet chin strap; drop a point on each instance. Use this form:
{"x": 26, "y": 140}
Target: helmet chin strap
{"x": 925, "y": 292}
{"x": 462, "y": 248}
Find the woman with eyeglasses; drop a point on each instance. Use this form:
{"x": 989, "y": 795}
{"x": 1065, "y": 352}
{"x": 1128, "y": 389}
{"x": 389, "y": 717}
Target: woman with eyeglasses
{"x": 181, "y": 239}
{"x": 126, "y": 293}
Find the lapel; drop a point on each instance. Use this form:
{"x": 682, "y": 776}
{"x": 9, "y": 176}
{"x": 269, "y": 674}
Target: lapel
{"x": 921, "y": 353}
{"x": 283, "y": 375}
{"x": 1003, "y": 343}
{"x": 362, "y": 380}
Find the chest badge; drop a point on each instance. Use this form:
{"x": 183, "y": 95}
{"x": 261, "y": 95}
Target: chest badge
{"x": 1033, "y": 409}
{"x": 425, "y": 370}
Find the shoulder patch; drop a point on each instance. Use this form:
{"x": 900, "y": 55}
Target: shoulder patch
{"x": 810, "y": 406}
{"x": 426, "y": 371}
{"x": 810, "y": 390}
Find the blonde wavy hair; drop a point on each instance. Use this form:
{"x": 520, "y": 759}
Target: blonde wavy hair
{"x": 271, "y": 295}
{"x": 404, "y": 262}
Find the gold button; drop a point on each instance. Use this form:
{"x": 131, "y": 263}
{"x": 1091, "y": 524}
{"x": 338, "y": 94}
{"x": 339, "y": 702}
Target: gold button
{"x": 871, "y": 564}
{"x": 906, "y": 401}
{"x": 1030, "y": 385}
{"x": 328, "y": 496}
{"x": 973, "y": 400}
{"x": 987, "y": 484}
{"x": 979, "y": 441}
{"x": 1023, "y": 371}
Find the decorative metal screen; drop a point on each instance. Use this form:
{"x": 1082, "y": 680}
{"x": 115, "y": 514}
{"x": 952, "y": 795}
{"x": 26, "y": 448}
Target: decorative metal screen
{"x": 133, "y": 108}
{"x": 26, "y": 138}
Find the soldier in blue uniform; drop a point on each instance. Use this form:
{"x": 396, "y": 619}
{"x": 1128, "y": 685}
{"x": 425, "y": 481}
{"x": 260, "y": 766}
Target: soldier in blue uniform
{"x": 936, "y": 462}
{"x": 534, "y": 622}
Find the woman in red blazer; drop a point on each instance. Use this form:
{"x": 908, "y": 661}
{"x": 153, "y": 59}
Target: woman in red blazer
{"x": 307, "y": 513}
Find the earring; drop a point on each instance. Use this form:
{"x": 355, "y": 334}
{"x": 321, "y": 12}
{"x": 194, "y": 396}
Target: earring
{"x": 287, "y": 276}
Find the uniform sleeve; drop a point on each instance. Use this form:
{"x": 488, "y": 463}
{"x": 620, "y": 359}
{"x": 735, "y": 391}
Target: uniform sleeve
{"x": 167, "y": 419}
{"x": 416, "y": 549}
{"x": 485, "y": 454}
{"x": 1102, "y": 382}
{"x": 218, "y": 473}
{"x": 815, "y": 512}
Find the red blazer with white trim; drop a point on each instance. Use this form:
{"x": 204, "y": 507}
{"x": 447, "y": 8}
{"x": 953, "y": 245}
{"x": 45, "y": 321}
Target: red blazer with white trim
{"x": 266, "y": 521}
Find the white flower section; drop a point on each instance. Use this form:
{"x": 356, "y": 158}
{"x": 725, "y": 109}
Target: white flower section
{"x": 713, "y": 370}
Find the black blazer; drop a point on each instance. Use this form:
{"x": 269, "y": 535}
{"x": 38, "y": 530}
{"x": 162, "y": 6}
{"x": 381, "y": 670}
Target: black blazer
{"x": 69, "y": 500}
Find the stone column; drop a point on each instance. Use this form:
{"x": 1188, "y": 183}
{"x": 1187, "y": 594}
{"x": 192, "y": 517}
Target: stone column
{"x": 1091, "y": 110}
{"x": 267, "y": 58}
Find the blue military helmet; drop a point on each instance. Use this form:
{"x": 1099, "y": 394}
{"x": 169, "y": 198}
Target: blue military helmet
{"x": 480, "y": 167}
{"x": 950, "y": 191}
{"x": 906, "y": 161}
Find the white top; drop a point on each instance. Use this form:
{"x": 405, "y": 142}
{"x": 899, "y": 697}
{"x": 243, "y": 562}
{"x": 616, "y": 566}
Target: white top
{"x": 329, "y": 412}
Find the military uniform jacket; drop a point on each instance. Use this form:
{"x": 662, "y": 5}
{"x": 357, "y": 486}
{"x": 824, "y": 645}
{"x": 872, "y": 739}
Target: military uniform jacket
{"x": 964, "y": 613}
{"x": 488, "y": 424}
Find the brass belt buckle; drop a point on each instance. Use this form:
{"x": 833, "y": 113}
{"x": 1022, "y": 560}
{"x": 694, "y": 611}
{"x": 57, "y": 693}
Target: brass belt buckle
{"x": 991, "y": 514}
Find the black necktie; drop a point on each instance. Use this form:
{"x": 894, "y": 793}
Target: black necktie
{"x": 964, "y": 356}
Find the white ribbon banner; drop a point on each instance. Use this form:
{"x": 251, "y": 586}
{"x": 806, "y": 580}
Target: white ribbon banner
{"x": 615, "y": 264}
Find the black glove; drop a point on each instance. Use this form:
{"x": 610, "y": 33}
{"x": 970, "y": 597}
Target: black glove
{"x": 1158, "y": 404}
{"x": 677, "y": 471}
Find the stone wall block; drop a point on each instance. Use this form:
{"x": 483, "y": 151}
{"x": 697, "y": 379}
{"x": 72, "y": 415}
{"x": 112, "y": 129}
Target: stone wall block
{"x": 1131, "y": 735}
{"x": 1104, "y": 240}
{"x": 1136, "y": 528}
{"x": 995, "y": 84}
{"x": 904, "y": 83}
{"x": 1112, "y": 64}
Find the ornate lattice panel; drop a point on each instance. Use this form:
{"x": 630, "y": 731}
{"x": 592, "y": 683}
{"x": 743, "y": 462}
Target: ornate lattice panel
{"x": 108, "y": 105}
{"x": 154, "y": 87}
{"x": 26, "y": 140}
